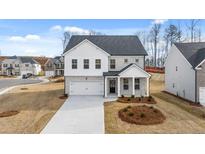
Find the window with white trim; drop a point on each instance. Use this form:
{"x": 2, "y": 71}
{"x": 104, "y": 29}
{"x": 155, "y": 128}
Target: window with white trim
{"x": 86, "y": 63}
{"x": 125, "y": 60}
{"x": 98, "y": 63}
{"x": 137, "y": 60}
{"x": 112, "y": 63}
{"x": 125, "y": 84}
{"x": 137, "y": 84}
{"x": 74, "y": 63}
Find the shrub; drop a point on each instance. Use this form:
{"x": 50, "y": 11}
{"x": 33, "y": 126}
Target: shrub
{"x": 125, "y": 110}
{"x": 139, "y": 99}
{"x": 128, "y": 99}
{"x": 130, "y": 114}
{"x": 151, "y": 107}
{"x": 132, "y": 96}
{"x": 122, "y": 96}
{"x": 128, "y": 106}
{"x": 150, "y": 97}
{"x": 142, "y": 115}
{"x": 155, "y": 111}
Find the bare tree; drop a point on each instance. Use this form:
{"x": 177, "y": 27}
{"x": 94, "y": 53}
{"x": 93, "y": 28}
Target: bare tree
{"x": 65, "y": 39}
{"x": 154, "y": 33}
{"x": 192, "y": 27}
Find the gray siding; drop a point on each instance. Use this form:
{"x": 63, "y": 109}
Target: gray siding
{"x": 200, "y": 79}
{"x": 119, "y": 61}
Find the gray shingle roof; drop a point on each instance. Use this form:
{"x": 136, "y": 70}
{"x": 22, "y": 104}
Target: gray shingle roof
{"x": 112, "y": 44}
{"x": 27, "y": 60}
{"x": 194, "y": 52}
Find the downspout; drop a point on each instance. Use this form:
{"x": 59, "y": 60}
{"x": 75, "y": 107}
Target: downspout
{"x": 196, "y": 88}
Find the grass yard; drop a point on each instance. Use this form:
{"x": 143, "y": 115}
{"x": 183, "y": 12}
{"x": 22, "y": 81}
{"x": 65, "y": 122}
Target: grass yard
{"x": 36, "y": 105}
{"x": 180, "y": 116}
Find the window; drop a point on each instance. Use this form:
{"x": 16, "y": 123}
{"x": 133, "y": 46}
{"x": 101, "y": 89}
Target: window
{"x": 176, "y": 68}
{"x": 86, "y": 63}
{"x": 98, "y": 63}
{"x": 136, "y": 60}
{"x": 16, "y": 65}
{"x": 137, "y": 84}
{"x": 112, "y": 63}
{"x": 173, "y": 85}
{"x": 125, "y": 84}
{"x": 125, "y": 60}
{"x": 26, "y": 65}
{"x": 74, "y": 64}
{"x": 5, "y": 65}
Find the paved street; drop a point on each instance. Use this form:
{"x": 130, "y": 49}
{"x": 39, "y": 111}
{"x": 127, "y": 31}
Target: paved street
{"x": 5, "y": 83}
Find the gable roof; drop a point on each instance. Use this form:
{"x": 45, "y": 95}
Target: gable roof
{"x": 112, "y": 44}
{"x": 27, "y": 60}
{"x": 193, "y": 52}
{"x": 41, "y": 60}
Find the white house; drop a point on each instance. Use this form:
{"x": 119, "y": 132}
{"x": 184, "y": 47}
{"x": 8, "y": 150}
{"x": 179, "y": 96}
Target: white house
{"x": 185, "y": 71}
{"x": 105, "y": 65}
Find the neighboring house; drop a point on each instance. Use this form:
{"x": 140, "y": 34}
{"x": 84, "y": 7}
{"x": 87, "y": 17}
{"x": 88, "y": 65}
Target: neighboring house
{"x": 50, "y": 68}
{"x": 42, "y": 61}
{"x": 19, "y": 66}
{"x": 185, "y": 71}
{"x": 59, "y": 65}
{"x": 54, "y": 66}
{"x": 1, "y": 59}
{"x": 105, "y": 65}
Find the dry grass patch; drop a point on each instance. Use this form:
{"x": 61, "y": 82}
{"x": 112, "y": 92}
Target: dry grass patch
{"x": 36, "y": 105}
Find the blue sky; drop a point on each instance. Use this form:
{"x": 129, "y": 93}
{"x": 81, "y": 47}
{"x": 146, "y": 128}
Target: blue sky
{"x": 43, "y": 37}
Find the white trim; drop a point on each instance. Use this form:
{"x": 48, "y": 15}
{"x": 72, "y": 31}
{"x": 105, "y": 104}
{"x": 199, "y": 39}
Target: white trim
{"x": 105, "y": 88}
{"x": 200, "y": 64}
{"x": 118, "y": 86}
{"x": 86, "y": 40}
{"x": 133, "y": 85}
{"x": 149, "y": 75}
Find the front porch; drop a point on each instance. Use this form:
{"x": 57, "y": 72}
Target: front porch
{"x": 127, "y": 86}
{"x": 130, "y": 81}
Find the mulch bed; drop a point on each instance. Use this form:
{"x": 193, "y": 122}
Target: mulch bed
{"x": 63, "y": 97}
{"x": 24, "y": 88}
{"x": 8, "y": 113}
{"x": 141, "y": 115}
{"x": 146, "y": 100}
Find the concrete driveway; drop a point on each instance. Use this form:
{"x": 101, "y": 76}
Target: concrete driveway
{"x": 78, "y": 115}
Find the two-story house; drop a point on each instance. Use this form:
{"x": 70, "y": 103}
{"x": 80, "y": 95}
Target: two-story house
{"x": 19, "y": 65}
{"x": 105, "y": 65}
{"x": 185, "y": 71}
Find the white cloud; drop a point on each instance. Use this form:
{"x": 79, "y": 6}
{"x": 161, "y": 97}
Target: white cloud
{"x": 30, "y": 51}
{"x": 76, "y": 30}
{"x": 32, "y": 37}
{"x": 159, "y": 21}
{"x": 28, "y": 37}
{"x": 56, "y": 28}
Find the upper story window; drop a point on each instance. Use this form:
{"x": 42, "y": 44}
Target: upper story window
{"x": 16, "y": 65}
{"x": 5, "y": 65}
{"x": 26, "y": 65}
{"x": 112, "y": 63}
{"x": 74, "y": 64}
{"x": 137, "y": 60}
{"x": 98, "y": 63}
{"x": 137, "y": 84}
{"x": 125, "y": 60}
{"x": 176, "y": 68}
{"x": 125, "y": 84}
{"x": 86, "y": 63}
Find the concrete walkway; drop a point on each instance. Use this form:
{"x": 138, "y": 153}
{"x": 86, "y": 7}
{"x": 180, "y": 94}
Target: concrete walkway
{"x": 78, "y": 115}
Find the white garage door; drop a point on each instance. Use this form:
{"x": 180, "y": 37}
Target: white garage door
{"x": 86, "y": 88}
{"x": 202, "y": 95}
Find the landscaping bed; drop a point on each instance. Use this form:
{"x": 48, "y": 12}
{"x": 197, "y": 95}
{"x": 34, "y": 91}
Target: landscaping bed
{"x": 8, "y": 113}
{"x": 141, "y": 115}
{"x": 147, "y": 100}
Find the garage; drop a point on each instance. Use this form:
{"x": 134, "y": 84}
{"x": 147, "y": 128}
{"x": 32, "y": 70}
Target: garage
{"x": 202, "y": 95}
{"x": 86, "y": 88}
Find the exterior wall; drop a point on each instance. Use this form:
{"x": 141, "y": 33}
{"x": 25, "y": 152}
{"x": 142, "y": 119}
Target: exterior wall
{"x": 10, "y": 62}
{"x": 68, "y": 79}
{"x": 49, "y": 73}
{"x": 183, "y": 79}
{"x": 120, "y": 64}
{"x": 85, "y": 50}
{"x": 49, "y": 66}
{"x": 200, "y": 79}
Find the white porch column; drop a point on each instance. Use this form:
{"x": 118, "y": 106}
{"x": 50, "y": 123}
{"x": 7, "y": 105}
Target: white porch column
{"x": 105, "y": 88}
{"x": 118, "y": 86}
{"x": 133, "y": 86}
{"x": 147, "y": 86}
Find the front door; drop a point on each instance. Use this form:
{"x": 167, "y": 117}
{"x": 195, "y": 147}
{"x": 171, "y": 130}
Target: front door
{"x": 112, "y": 86}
